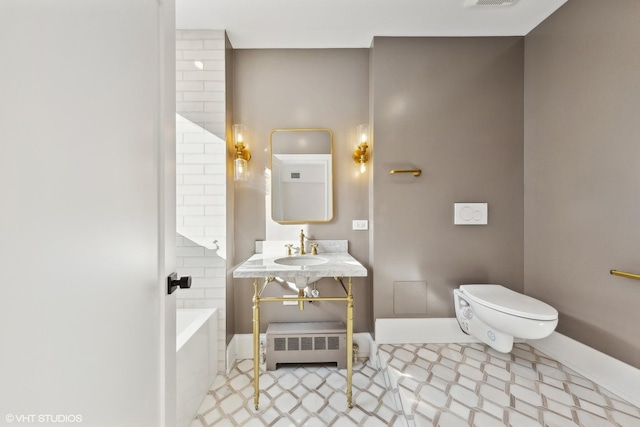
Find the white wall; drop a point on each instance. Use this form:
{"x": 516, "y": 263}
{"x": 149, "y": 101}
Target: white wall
{"x": 82, "y": 123}
{"x": 201, "y": 172}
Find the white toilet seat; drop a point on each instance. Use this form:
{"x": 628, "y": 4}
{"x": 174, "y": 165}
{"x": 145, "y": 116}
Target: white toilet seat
{"x": 496, "y": 315}
{"x": 505, "y": 300}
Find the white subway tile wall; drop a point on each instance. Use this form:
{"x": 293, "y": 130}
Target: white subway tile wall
{"x": 201, "y": 174}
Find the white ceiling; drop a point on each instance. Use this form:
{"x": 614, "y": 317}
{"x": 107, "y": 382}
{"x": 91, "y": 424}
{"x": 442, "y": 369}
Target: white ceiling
{"x": 255, "y": 24}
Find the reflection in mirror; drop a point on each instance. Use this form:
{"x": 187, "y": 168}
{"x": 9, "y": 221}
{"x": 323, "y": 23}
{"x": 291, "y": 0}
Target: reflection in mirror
{"x": 301, "y": 175}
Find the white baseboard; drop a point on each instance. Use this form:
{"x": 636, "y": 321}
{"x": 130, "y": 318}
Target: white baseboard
{"x": 619, "y": 378}
{"x": 423, "y": 331}
{"x": 244, "y": 345}
{"x": 232, "y": 355}
{"x": 367, "y": 347}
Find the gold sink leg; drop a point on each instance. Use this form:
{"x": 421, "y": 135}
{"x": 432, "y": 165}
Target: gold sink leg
{"x": 301, "y": 302}
{"x": 256, "y": 344}
{"x": 349, "y": 344}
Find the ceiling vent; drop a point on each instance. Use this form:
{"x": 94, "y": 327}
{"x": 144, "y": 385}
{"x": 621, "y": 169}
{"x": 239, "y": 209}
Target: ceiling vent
{"x": 482, "y": 3}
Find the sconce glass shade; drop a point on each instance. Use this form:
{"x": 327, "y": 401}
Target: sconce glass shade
{"x": 238, "y": 133}
{"x": 240, "y": 169}
{"x": 360, "y": 155}
{"x": 242, "y": 157}
{"x": 363, "y": 133}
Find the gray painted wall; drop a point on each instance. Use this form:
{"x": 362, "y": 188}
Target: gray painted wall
{"x": 301, "y": 89}
{"x": 454, "y": 108}
{"x": 466, "y": 111}
{"x": 582, "y": 179}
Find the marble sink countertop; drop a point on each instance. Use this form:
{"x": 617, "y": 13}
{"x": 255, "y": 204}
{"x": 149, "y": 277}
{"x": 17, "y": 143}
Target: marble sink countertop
{"x": 262, "y": 264}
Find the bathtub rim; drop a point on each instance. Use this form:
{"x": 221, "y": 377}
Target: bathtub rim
{"x": 200, "y": 317}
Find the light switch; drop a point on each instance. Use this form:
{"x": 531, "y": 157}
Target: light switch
{"x": 360, "y": 224}
{"x": 470, "y": 214}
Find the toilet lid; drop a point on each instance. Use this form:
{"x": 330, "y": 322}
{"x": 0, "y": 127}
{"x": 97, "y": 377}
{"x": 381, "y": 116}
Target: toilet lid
{"x": 502, "y": 299}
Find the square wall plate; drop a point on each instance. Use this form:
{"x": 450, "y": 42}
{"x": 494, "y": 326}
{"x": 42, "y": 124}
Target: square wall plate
{"x": 470, "y": 214}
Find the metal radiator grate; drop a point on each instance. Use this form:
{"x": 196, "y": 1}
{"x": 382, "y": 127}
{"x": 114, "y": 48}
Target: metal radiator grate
{"x": 306, "y": 342}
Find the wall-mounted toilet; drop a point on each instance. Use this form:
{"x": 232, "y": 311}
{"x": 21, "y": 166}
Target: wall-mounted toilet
{"x": 496, "y": 315}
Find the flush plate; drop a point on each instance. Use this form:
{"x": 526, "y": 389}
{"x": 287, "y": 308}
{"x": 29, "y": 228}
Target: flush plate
{"x": 470, "y": 214}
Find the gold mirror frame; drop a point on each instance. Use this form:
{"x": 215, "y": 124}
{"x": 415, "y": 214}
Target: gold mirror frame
{"x": 299, "y": 147}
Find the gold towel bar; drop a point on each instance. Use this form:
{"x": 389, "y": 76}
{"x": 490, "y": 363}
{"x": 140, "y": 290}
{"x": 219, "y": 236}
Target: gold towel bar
{"x": 415, "y": 172}
{"x": 625, "y": 274}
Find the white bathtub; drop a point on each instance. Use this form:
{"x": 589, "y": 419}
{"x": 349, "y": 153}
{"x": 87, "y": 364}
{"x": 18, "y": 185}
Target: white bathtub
{"x": 196, "y": 359}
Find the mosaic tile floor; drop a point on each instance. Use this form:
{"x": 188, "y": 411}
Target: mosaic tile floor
{"x": 299, "y": 395}
{"x": 452, "y": 385}
{"x": 445, "y": 385}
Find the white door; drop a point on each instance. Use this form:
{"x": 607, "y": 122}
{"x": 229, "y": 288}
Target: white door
{"x": 87, "y": 215}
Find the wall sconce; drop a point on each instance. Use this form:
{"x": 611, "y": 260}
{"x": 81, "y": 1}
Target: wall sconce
{"x": 360, "y": 155}
{"x": 240, "y": 172}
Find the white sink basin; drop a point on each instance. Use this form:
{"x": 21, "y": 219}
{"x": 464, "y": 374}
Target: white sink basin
{"x": 301, "y": 280}
{"x": 300, "y": 261}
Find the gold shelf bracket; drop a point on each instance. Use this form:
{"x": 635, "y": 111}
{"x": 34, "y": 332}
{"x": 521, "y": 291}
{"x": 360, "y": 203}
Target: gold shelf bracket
{"x": 625, "y": 274}
{"x": 414, "y": 172}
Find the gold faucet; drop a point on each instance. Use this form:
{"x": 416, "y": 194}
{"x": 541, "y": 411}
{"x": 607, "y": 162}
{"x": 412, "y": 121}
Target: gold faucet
{"x": 302, "y": 237}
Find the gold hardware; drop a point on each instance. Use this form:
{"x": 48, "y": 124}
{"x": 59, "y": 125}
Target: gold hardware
{"x": 301, "y": 301}
{"x": 625, "y": 274}
{"x": 339, "y": 279}
{"x": 288, "y": 246}
{"x": 314, "y": 249}
{"x": 360, "y": 155}
{"x": 242, "y": 156}
{"x": 256, "y": 344}
{"x": 415, "y": 172}
{"x": 349, "y": 344}
{"x": 301, "y": 298}
{"x": 242, "y": 152}
{"x": 302, "y": 237}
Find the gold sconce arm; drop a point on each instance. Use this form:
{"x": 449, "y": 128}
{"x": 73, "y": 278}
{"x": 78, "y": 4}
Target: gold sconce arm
{"x": 242, "y": 152}
{"x": 361, "y": 155}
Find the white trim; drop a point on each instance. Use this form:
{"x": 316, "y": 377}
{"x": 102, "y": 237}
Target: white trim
{"x": 606, "y": 371}
{"x": 367, "y": 346}
{"x": 232, "y": 355}
{"x": 431, "y": 330}
{"x": 244, "y": 345}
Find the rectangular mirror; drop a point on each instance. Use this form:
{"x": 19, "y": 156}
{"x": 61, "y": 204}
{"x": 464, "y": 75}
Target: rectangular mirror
{"x": 301, "y": 175}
